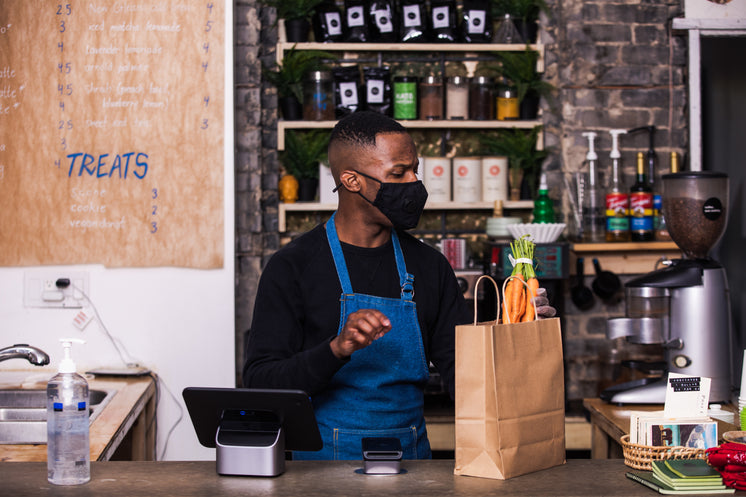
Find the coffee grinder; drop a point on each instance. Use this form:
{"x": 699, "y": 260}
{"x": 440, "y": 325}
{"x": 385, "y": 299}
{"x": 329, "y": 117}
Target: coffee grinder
{"x": 684, "y": 306}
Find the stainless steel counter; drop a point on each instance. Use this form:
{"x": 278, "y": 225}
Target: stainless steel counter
{"x": 579, "y": 478}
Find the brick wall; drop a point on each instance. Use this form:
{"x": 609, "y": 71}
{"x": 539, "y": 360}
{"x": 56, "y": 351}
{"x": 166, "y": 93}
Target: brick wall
{"x": 616, "y": 64}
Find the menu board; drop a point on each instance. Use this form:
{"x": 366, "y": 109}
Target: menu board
{"x": 111, "y": 132}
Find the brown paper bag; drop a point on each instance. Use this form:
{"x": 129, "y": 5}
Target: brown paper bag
{"x": 510, "y": 415}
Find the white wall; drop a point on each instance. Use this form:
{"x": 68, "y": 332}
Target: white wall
{"x": 177, "y": 322}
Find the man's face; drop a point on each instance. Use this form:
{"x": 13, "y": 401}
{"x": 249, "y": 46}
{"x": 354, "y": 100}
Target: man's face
{"x": 392, "y": 160}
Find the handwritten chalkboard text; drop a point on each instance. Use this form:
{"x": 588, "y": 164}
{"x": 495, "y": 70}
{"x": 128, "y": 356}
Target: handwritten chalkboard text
{"x": 103, "y": 166}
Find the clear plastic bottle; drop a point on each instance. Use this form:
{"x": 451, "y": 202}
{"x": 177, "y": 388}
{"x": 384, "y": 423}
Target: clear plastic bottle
{"x": 543, "y": 205}
{"x": 594, "y": 198}
{"x": 68, "y": 452}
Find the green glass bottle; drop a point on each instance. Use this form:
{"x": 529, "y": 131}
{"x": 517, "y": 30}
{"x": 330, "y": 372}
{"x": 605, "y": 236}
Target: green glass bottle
{"x": 543, "y": 205}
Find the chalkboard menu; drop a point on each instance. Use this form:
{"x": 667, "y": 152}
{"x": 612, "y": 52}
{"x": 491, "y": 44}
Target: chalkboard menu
{"x": 111, "y": 132}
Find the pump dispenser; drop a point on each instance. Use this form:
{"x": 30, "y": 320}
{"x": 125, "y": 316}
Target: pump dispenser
{"x": 617, "y": 198}
{"x": 68, "y": 452}
{"x": 594, "y": 218}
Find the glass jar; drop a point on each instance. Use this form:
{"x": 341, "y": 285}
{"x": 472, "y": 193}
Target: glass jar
{"x": 457, "y": 98}
{"x": 405, "y": 97}
{"x": 507, "y": 103}
{"x": 482, "y": 99}
{"x": 431, "y": 98}
{"x": 318, "y": 96}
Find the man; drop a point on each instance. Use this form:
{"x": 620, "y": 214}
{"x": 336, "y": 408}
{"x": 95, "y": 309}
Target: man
{"x": 353, "y": 311}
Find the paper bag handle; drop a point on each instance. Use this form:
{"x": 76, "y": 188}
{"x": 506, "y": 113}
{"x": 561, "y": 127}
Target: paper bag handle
{"x": 497, "y": 296}
{"x": 506, "y": 316}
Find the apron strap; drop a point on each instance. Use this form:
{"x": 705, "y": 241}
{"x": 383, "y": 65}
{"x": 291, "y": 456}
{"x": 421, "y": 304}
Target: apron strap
{"x": 339, "y": 258}
{"x": 406, "y": 280}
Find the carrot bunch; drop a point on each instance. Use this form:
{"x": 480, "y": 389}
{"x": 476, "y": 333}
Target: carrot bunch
{"x": 522, "y": 284}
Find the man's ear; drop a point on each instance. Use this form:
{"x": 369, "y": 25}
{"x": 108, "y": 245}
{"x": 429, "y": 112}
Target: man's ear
{"x": 350, "y": 181}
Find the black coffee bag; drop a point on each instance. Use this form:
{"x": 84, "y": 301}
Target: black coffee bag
{"x": 476, "y": 21}
{"x": 412, "y": 21}
{"x": 346, "y": 90}
{"x": 356, "y": 21}
{"x": 378, "y": 96}
{"x": 383, "y": 21}
{"x": 327, "y": 23}
{"x": 442, "y": 25}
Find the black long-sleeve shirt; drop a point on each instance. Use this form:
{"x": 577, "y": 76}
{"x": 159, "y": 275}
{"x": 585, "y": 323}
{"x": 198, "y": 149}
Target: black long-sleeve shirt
{"x": 297, "y": 308}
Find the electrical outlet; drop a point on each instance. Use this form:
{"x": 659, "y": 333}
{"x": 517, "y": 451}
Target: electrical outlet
{"x": 40, "y": 289}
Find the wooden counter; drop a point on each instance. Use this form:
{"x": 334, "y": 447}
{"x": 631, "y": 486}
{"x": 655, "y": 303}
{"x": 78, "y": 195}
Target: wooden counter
{"x": 578, "y": 478}
{"x": 609, "y": 422}
{"x": 125, "y": 423}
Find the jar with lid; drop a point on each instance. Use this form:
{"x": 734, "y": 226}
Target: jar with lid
{"x": 457, "y": 98}
{"x": 507, "y": 102}
{"x": 482, "y": 99}
{"x": 431, "y": 98}
{"x": 318, "y": 96}
{"x": 405, "y": 97}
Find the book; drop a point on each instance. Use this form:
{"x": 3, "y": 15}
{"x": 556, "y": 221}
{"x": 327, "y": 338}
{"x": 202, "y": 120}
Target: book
{"x": 691, "y": 468}
{"x": 663, "y": 474}
{"x": 647, "y": 479}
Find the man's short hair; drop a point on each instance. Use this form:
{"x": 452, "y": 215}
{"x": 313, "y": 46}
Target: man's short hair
{"x": 361, "y": 128}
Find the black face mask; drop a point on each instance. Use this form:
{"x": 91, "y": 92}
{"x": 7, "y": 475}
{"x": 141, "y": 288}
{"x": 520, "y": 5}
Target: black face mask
{"x": 401, "y": 203}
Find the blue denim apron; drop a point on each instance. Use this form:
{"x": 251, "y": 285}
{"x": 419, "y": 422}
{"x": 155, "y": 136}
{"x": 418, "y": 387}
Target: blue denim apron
{"x": 379, "y": 392}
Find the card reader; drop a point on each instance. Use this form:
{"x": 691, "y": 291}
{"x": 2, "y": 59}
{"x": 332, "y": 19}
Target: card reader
{"x": 381, "y": 456}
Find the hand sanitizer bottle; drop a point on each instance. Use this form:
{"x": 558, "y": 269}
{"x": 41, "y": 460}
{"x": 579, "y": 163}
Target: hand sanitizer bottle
{"x": 68, "y": 453}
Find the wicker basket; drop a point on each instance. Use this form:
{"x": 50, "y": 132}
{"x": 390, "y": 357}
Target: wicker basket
{"x": 641, "y": 456}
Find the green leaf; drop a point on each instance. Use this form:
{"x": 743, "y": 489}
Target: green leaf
{"x": 288, "y": 76}
{"x": 292, "y": 9}
{"x": 519, "y": 146}
{"x": 303, "y": 152}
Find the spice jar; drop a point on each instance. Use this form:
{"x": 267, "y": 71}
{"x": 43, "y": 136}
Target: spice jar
{"x": 318, "y": 96}
{"x": 481, "y": 99}
{"x": 431, "y": 98}
{"x": 405, "y": 97}
{"x": 457, "y": 98}
{"x": 507, "y": 103}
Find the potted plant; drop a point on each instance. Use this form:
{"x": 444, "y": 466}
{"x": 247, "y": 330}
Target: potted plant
{"x": 524, "y": 159}
{"x": 288, "y": 76}
{"x": 525, "y": 14}
{"x": 520, "y": 69}
{"x": 301, "y": 157}
{"x": 296, "y": 14}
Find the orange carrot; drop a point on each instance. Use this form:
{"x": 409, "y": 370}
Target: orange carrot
{"x": 533, "y": 286}
{"x": 517, "y": 302}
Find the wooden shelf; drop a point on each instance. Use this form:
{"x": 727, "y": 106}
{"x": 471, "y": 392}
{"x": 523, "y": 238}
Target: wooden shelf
{"x": 414, "y": 47}
{"x": 434, "y": 124}
{"x": 284, "y": 208}
{"x": 623, "y": 258}
{"x": 623, "y": 247}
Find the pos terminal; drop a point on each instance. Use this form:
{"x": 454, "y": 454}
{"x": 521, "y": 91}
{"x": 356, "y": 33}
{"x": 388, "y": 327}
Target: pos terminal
{"x": 252, "y": 428}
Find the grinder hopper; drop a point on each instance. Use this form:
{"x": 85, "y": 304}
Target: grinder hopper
{"x": 686, "y": 305}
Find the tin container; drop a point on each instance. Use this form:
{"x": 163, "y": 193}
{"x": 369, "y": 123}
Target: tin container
{"x": 405, "y": 97}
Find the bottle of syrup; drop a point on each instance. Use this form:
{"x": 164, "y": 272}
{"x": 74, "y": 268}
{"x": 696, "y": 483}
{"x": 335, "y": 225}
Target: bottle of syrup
{"x": 641, "y": 205}
{"x": 617, "y": 198}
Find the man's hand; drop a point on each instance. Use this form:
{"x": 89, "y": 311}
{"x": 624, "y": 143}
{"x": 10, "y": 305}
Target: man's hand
{"x": 541, "y": 302}
{"x": 361, "y": 328}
